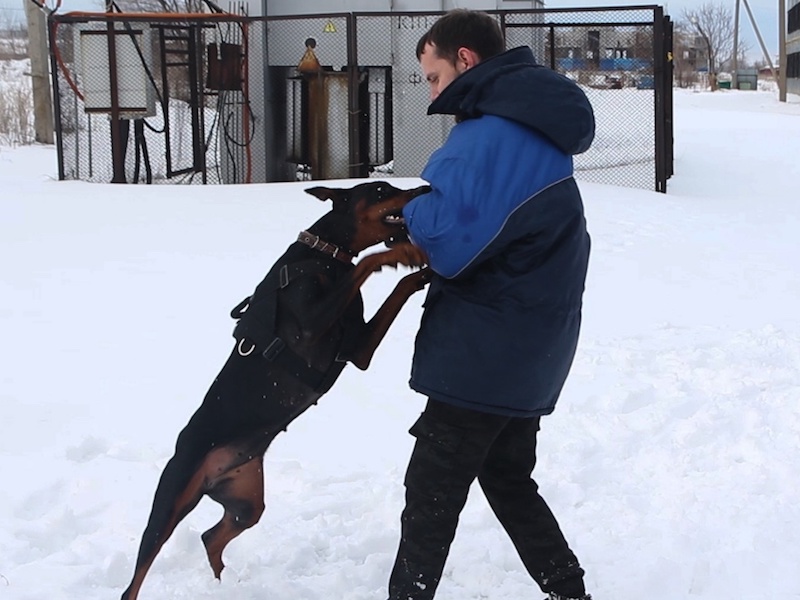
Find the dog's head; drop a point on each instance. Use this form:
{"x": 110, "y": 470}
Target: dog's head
{"x": 367, "y": 214}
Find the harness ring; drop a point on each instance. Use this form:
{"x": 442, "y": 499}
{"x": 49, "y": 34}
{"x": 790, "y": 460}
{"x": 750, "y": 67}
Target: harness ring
{"x": 242, "y": 352}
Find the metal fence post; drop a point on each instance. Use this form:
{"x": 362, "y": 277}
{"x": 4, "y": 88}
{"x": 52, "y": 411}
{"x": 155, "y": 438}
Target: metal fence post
{"x": 659, "y": 57}
{"x": 51, "y": 32}
{"x": 669, "y": 69}
{"x": 356, "y": 166}
{"x": 117, "y": 142}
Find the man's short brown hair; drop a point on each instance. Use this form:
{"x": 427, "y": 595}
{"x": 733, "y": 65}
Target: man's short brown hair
{"x": 463, "y": 28}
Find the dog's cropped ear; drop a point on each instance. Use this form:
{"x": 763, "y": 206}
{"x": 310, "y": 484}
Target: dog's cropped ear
{"x": 324, "y": 193}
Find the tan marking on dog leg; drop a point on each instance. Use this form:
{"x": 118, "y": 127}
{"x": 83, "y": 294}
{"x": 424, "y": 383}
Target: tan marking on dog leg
{"x": 241, "y": 493}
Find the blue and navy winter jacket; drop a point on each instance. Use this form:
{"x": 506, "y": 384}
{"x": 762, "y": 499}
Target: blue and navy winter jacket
{"x": 505, "y": 233}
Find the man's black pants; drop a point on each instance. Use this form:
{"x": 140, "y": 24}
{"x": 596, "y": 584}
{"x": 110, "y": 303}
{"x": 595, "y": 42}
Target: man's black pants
{"x": 453, "y": 447}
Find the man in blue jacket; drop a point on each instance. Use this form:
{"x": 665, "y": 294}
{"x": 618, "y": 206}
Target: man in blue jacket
{"x": 505, "y": 234}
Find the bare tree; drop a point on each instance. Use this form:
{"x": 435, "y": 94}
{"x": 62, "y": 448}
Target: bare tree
{"x": 13, "y": 36}
{"x": 713, "y": 24}
{"x": 684, "y": 56}
{"x": 742, "y": 60}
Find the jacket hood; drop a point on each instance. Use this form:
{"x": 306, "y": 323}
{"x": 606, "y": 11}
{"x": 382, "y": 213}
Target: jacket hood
{"x": 512, "y": 85}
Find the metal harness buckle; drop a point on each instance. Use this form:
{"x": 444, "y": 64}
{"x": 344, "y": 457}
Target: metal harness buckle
{"x": 274, "y": 348}
{"x": 284, "y": 276}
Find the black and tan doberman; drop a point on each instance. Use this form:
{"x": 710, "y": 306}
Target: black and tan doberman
{"x": 293, "y": 337}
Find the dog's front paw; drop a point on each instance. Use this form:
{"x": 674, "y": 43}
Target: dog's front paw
{"x": 415, "y": 281}
{"x": 409, "y": 255}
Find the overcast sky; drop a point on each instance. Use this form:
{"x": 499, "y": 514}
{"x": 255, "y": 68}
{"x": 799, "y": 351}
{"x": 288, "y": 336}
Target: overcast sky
{"x": 764, "y": 11}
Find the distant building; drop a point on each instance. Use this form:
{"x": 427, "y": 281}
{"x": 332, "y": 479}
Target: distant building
{"x": 765, "y": 73}
{"x": 606, "y": 57}
{"x": 793, "y": 48}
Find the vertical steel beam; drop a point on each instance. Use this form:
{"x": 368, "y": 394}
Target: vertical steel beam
{"x": 51, "y": 31}
{"x": 659, "y": 58}
{"x": 356, "y": 166}
{"x": 118, "y": 144}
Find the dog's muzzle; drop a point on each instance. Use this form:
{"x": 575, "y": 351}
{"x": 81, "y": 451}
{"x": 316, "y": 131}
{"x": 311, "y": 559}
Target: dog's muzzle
{"x": 401, "y": 237}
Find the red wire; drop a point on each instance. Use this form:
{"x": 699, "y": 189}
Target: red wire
{"x": 61, "y": 64}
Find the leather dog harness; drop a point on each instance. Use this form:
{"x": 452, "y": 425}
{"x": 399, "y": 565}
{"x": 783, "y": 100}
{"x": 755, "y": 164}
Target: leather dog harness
{"x": 256, "y": 316}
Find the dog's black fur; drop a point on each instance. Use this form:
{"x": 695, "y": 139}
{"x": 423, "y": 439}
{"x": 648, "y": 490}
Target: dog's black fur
{"x": 317, "y": 317}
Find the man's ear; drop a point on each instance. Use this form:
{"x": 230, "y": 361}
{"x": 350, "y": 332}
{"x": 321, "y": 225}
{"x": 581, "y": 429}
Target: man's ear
{"x": 467, "y": 58}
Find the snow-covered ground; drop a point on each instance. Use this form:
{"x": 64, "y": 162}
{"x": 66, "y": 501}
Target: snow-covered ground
{"x": 672, "y": 459}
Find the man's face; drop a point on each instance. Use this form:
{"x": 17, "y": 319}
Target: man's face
{"x": 439, "y": 72}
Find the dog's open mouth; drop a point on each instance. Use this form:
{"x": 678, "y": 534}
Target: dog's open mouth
{"x": 394, "y": 218}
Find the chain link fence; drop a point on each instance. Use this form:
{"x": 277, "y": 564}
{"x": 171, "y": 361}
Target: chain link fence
{"x": 220, "y": 98}
{"x": 141, "y": 100}
{"x": 611, "y": 55}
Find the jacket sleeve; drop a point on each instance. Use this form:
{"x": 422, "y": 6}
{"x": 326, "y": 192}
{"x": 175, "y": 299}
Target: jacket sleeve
{"x": 487, "y": 169}
{"x": 452, "y": 223}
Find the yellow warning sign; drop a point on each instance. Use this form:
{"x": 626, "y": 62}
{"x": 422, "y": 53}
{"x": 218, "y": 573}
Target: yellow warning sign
{"x": 330, "y": 27}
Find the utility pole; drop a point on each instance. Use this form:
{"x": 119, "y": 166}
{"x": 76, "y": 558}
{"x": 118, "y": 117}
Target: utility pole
{"x": 40, "y": 74}
{"x": 736, "y": 46}
{"x": 760, "y": 40}
{"x": 782, "y": 66}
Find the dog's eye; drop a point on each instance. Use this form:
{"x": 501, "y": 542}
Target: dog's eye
{"x": 382, "y": 192}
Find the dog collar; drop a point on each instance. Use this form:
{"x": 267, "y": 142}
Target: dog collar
{"x": 314, "y": 241}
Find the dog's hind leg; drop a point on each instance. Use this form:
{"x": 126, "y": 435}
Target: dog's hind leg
{"x": 179, "y": 490}
{"x": 241, "y": 493}
{"x": 176, "y": 496}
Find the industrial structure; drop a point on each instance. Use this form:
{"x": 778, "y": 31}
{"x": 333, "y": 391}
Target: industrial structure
{"x": 276, "y": 90}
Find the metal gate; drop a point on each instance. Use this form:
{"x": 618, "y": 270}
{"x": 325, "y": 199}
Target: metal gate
{"x": 221, "y": 98}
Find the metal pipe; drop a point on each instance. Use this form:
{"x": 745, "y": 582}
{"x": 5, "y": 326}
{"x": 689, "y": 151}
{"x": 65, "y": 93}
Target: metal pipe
{"x": 736, "y": 46}
{"x": 760, "y": 40}
{"x": 782, "y": 58}
{"x": 51, "y": 32}
{"x": 118, "y": 141}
